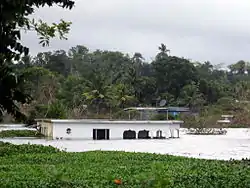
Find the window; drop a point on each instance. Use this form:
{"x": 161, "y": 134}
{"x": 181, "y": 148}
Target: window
{"x": 143, "y": 134}
{"x": 68, "y": 130}
{"x": 129, "y": 134}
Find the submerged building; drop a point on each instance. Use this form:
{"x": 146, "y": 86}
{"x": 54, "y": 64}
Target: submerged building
{"x": 96, "y": 129}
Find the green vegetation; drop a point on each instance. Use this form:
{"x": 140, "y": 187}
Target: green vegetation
{"x": 41, "y": 166}
{"x": 19, "y": 133}
{"x": 79, "y": 83}
{"x": 98, "y": 84}
{"x": 8, "y": 150}
{"x": 14, "y": 17}
{"x": 237, "y": 126}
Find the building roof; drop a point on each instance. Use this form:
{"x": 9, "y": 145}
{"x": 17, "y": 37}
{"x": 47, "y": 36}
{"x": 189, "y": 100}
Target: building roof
{"x": 227, "y": 116}
{"x": 160, "y": 109}
{"x": 104, "y": 121}
{"x": 144, "y": 108}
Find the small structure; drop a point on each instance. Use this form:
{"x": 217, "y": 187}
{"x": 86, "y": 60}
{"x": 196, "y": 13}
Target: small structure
{"x": 146, "y": 112}
{"x": 226, "y": 119}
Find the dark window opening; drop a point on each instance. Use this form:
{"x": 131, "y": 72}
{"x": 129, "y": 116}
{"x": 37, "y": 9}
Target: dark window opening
{"x": 68, "y": 130}
{"x": 129, "y": 134}
{"x": 143, "y": 134}
{"x": 159, "y": 135}
{"x": 101, "y": 134}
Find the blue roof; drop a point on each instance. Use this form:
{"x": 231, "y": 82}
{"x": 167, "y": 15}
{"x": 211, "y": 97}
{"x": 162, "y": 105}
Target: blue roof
{"x": 175, "y": 109}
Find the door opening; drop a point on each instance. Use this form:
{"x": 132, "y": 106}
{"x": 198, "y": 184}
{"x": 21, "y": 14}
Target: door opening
{"x": 101, "y": 134}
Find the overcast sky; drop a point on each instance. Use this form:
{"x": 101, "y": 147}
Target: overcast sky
{"x": 214, "y": 30}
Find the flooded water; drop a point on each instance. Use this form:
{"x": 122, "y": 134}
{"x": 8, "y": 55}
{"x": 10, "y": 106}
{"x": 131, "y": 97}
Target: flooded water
{"x": 235, "y": 144}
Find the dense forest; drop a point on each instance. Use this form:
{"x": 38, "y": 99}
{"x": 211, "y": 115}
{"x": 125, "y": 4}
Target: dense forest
{"x": 80, "y": 83}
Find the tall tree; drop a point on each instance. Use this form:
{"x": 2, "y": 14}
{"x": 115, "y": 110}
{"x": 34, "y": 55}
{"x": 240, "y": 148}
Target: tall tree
{"x": 14, "y": 17}
{"x": 172, "y": 73}
{"x": 163, "y": 51}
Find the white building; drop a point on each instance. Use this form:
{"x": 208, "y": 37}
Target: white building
{"x": 108, "y": 129}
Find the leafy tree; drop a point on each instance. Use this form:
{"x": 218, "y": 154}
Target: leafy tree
{"x": 239, "y": 68}
{"x": 70, "y": 92}
{"x": 78, "y": 56}
{"x": 122, "y": 95}
{"x": 101, "y": 83}
{"x": 191, "y": 97}
{"x": 97, "y": 93}
{"x": 56, "y": 110}
{"x": 11, "y": 92}
{"x": 14, "y": 17}
{"x": 56, "y": 62}
{"x": 173, "y": 73}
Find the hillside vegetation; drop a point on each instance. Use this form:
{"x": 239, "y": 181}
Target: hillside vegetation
{"x": 80, "y": 83}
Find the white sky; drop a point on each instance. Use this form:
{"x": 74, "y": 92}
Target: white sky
{"x": 201, "y": 30}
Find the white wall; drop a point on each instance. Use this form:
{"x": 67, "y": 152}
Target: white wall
{"x": 85, "y": 130}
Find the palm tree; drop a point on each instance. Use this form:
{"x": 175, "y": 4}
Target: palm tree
{"x": 163, "y": 49}
{"x": 122, "y": 95}
{"x": 138, "y": 57}
{"x": 163, "y": 52}
{"x": 97, "y": 91}
{"x": 191, "y": 97}
{"x": 242, "y": 90}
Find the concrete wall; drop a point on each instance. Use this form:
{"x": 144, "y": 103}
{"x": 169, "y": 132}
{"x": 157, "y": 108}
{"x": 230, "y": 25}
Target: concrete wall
{"x": 46, "y": 128}
{"x": 84, "y": 130}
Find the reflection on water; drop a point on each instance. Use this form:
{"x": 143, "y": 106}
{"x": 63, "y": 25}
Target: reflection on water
{"x": 235, "y": 144}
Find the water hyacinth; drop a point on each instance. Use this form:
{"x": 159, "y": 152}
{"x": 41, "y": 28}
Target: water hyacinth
{"x": 43, "y": 166}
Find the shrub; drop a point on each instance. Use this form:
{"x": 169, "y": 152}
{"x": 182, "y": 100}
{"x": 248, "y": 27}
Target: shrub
{"x": 7, "y": 149}
{"x": 20, "y": 133}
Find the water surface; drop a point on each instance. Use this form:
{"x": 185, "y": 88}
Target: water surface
{"x": 235, "y": 144}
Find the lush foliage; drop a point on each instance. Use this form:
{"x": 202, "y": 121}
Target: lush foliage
{"x": 97, "y": 84}
{"x": 19, "y": 133}
{"x": 31, "y": 166}
{"x": 14, "y": 17}
{"x": 7, "y": 149}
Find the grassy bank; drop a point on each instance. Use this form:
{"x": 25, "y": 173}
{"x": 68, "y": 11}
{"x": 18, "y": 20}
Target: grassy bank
{"x": 39, "y": 166}
{"x": 19, "y": 133}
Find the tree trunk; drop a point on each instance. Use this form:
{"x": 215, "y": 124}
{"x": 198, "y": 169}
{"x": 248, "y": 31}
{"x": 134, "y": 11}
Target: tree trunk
{"x": 110, "y": 112}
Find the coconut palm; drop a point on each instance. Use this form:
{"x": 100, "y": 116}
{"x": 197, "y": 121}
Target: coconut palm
{"x": 97, "y": 91}
{"x": 122, "y": 95}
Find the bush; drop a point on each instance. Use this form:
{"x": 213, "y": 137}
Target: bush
{"x": 134, "y": 114}
{"x": 236, "y": 126}
{"x": 159, "y": 117}
{"x": 57, "y": 111}
{"x": 165, "y": 117}
{"x": 7, "y": 149}
{"x": 20, "y": 133}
